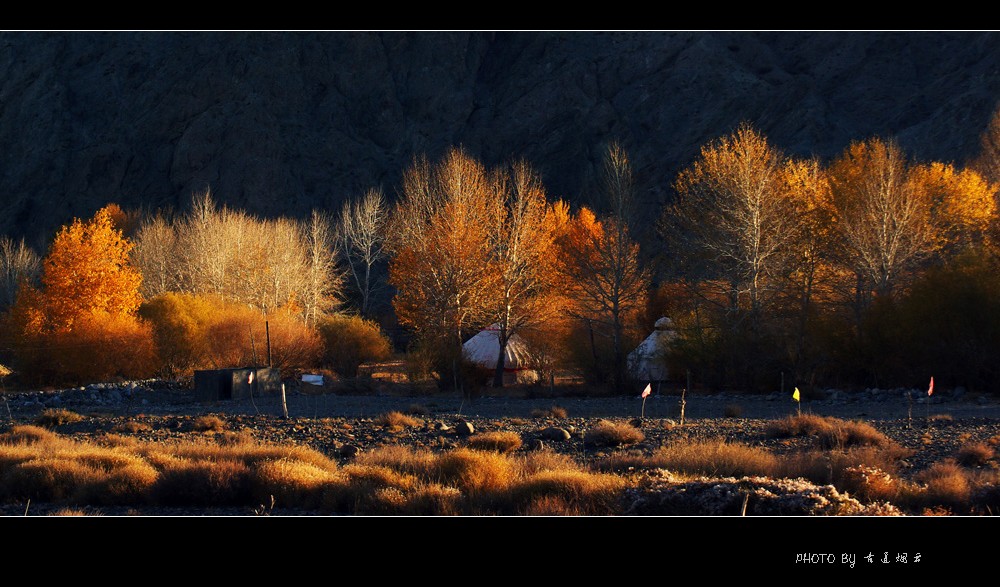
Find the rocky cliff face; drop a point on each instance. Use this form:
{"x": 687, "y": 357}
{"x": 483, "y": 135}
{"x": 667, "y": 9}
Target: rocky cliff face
{"x": 279, "y": 123}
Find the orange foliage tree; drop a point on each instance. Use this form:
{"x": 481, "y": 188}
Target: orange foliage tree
{"x": 81, "y": 323}
{"x": 603, "y": 281}
{"x": 441, "y": 262}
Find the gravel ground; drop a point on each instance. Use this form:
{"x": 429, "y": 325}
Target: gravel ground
{"x": 341, "y": 425}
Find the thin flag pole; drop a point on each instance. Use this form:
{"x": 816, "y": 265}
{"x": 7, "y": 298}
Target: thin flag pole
{"x": 930, "y": 391}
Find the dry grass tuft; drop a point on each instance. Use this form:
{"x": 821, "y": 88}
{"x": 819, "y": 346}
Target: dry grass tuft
{"x": 852, "y": 434}
{"x": 801, "y": 425}
{"x": 47, "y": 478}
{"x": 546, "y": 460}
{"x": 608, "y": 433}
{"x": 52, "y": 417}
{"x": 715, "y": 458}
{"x": 292, "y": 483}
{"x": 831, "y": 433}
{"x": 396, "y": 421}
{"x": 28, "y": 434}
{"x": 945, "y": 484}
{"x": 208, "y": 423}
{"x": 400, "y": 458}
{"x": 869, "y": 484}
{"x": 474, "y": 471}
{"x": 69, "y": 512}
{"x": 433, "y": 499}
{"x": 976, "y": 454}
{"x": 578, "y": 491}
{"x": 502, "y": 442}
{"x": 553, "y": 412}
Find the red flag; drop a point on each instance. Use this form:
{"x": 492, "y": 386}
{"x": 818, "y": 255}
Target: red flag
{"x": 930, "y": 389}
{"x": 647, "y": 391}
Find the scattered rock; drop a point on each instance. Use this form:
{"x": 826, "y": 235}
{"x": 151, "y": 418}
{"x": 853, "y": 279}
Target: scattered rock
{"x": 555, "y": 433}
{"x": 535, "y": 444}
{"x": 349, "y": 451}
{"x": 464, "y": 428}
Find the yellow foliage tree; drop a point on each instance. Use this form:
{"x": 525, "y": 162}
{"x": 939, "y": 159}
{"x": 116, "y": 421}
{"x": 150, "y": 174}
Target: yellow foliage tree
{"x": 87, "y": 270}
{"x": 962, "y": 205}
{"x": 81, "y": 323}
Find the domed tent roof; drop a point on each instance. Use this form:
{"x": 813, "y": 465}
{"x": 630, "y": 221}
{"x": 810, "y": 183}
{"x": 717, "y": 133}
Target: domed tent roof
{"x": 648, "y": 361}
{"x": 483, "y": 349}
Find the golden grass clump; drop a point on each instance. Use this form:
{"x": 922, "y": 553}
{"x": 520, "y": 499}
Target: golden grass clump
{"x": 433, "y": 499}
{"x": 800, "y": 425}
{"x": 975, "y": 454}
{"x": 579, "y": 491}
{"x": 47, "y": 478}
{"x": 830, "y": 432}
{"x": 715, "y": 457}
{"x": 608, "y": 433}
{"x": 28, "y": 434}
{"x": 474, "y": 471}
{"x": 52, "y": 417}
{"x": 397, "y": 421}
{"x": 368, "y": 489}
{"x": 851, "y": 434}
{"x": 399, "y": 458}
{"x": 292, "y": 483}
{"x": 502, "y": 441}
{"x": 869, "y": 484}
{"x": 546, "y": 460}
{"x": 946, "y": 484}
{"x": 69, "y": 512}
{"x": 208, "y": 423}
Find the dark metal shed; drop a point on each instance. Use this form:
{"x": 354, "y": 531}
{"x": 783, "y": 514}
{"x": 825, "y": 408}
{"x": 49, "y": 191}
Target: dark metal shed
{"x": 236, "y": 383}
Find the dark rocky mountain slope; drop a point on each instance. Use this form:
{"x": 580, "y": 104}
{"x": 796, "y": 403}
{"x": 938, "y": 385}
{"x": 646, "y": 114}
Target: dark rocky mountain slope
{"x": 280, "y": 122}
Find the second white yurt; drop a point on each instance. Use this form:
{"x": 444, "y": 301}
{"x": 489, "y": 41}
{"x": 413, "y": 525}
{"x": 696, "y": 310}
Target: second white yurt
{"x": 648, "y": 362}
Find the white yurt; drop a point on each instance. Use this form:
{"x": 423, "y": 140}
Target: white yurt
{"x": 483, "y": 349}
{"x": 648, "y": 362}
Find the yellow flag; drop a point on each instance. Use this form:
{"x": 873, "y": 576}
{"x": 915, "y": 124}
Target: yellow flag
{"x": 795, "y": 394}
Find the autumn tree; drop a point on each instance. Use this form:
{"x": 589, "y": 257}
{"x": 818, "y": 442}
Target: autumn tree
{"x": 361, "y": 233}
{"x": 522, "y": 238}
{"x": 961, "y": 206}
{"x": 156, "y": 254}
{"x": 84, "y": 311}
{"x": 883, "y": 221}
{"x": 442, "y": 262}
{"x": 87, "y": 270}
{"x": 267, "y": 264}
{"x": 19, "y": 263}
{"x": 324, "y": 282}
{"x": 732, "y": 220}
